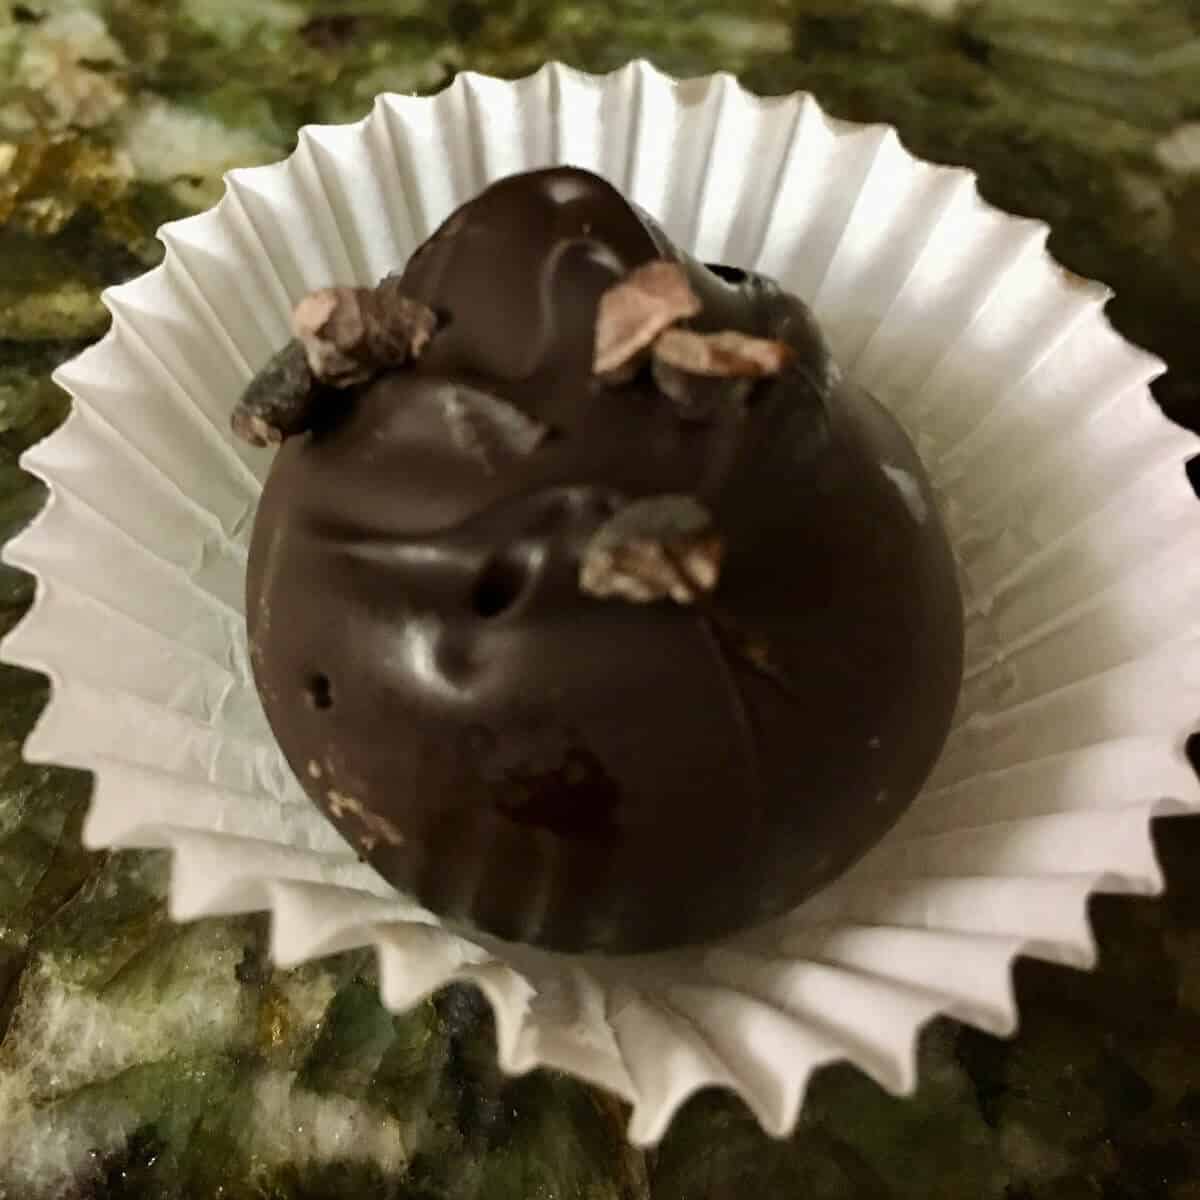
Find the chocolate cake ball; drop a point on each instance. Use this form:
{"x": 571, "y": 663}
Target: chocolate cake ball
{"x": 585, "y": 597}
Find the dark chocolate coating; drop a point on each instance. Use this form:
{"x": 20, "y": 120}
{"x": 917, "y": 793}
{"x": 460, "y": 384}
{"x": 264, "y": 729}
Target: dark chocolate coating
{"x": 582, "y": 773}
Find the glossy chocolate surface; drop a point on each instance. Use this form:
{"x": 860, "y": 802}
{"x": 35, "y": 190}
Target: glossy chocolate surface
{"x": 584, "y": 773}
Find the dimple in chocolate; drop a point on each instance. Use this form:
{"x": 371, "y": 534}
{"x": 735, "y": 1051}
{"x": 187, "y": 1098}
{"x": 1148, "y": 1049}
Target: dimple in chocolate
{"x": 584, "y": 596}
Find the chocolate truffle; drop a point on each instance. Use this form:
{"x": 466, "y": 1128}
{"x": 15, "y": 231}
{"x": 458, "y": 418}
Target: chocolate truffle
{"x": 585, "y": 597}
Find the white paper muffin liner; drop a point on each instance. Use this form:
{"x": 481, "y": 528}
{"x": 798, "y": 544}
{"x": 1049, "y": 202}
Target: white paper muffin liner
{"x": 1077, "y": 531}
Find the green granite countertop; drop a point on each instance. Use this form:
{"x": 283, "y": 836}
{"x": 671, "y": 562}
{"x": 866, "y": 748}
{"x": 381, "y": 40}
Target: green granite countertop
{"x": 142, "y": 1059}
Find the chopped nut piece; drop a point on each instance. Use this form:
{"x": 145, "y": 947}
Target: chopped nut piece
{"x": 726, "y": 354}
{"x": 278, "y": 400}
{"x": 343, "y": 336}
{"x": 633, "y": 312}
{"x": 350, "y": 334}
{"x": 663, "y": 547}
{"x": 408, "y": 326}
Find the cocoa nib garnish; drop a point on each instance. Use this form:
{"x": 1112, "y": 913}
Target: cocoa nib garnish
{"x": 278, "y": 401}
{"x": 728, "y": 354}
{"x": 633, "y": 312}
{"x": 637, "y": 319}
{"x": 662, "y": 547}
{"x": 350, "y": 334}
{"x": 344, "y": 336}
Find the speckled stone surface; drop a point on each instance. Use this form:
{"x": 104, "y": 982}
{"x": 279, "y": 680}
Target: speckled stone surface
{"x": 142, "y": 1059}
